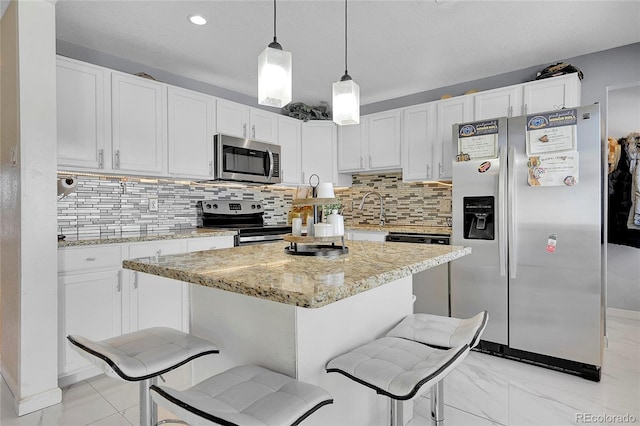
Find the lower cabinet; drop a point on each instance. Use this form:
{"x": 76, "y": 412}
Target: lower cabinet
{"x": 98, "y": 299}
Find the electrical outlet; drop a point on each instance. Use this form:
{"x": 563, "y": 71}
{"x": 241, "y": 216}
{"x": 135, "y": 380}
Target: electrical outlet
{"x": 153, "y": 204}
{"x": 445, "y": 206}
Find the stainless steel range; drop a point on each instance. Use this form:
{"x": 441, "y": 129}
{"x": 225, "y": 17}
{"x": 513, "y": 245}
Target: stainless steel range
{"x": 244, "y": 216}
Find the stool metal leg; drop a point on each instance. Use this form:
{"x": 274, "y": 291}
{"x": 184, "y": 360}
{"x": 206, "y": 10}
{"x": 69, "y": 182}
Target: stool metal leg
{"x": 396, "y": 413}
{"x": 148, "y": 409}
{"x": 437, "y": 403}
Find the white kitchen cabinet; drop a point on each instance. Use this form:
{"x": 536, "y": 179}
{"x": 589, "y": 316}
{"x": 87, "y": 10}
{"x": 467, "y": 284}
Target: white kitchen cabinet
{"x": 448, "y": 113}
{"x": 89, "y": 300}
{"x": 83, "y": 115}
{"x": 138, "y": 114}
{"x": 417, "y": 143}
{"x": 374, "y": 144}
{"x": 191, "y": 126}
{"x": 156, "y": 301}
{"x": 503, "y": 102}
{"x": 90, "y": 306}
{"x": 551, "y": 94}
{"x": 212, "y": 243}
{"x": 319, "y": 152}
{"x": 290, "y": 141}
{"x": 242, "y": 121}
{"x": 352, "y": 147}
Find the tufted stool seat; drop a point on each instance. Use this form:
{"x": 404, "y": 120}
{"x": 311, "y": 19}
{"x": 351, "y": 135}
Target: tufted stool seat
{"x": 419, "y": 352}
{"x": 143, "y": 356}
{"x": 246, "y": 395}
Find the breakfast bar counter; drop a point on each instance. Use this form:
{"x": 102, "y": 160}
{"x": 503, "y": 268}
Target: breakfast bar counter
{"x": 266, "y": 272}
{"x": 292, "y": 314}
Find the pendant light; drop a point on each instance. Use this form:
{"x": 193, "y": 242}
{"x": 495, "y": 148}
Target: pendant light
{"x": 274, "y": 72}
{"x": 346, "y": 93}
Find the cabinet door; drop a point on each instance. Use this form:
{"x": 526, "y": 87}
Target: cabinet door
{"x": 290, "y": 139}
{"x": 213, "y": 243}
{"x": 84, "y": 124}
{"x": 383, "y": 135}
{"x": 232, "y": 118}
{"x": 319, "y": 151}
{"x": 497, "y": 103}
{"x": 191, "y": 125}
{"x": 156, "y": 301}
{"x": 551, "y": 94}
{"x": 449, "y": 112}
{"x": 90, "y": 305}
{"x": 418, "y": 136}
{"x": 351, "y": 147}
{"x": 263, "y": 126}
{"x": 138, "y": 118}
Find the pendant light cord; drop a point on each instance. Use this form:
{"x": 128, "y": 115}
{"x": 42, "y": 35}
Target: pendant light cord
{"x": 345, "y": 38}
{"x": 274, "y": 22}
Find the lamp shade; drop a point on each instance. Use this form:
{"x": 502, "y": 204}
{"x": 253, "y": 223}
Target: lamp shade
{"x": 346, "y": 102}
{"x": 274, "y": 77}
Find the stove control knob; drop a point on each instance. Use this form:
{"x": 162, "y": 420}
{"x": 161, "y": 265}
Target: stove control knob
{"x": 253, "y": 206}
{"x": 258, "y": 206}
{"x": 208, "y": 205}
{"x": 215, "y": 206}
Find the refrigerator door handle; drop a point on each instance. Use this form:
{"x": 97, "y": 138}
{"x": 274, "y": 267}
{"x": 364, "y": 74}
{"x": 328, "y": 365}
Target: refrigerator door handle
{"x": 513, "y": 241}
{"x": 502, "y": 217}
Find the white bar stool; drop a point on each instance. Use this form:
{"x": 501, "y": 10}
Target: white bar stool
{"x": 142, "y": 356}
{"x": 419, "y": 352}
{"x": 246, "y": 395}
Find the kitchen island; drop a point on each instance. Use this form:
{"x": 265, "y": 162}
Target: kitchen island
{"x": 292, "y": 314}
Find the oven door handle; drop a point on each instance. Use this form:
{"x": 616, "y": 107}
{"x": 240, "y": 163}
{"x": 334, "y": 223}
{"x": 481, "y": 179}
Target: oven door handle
{"x": 270, "y": 164}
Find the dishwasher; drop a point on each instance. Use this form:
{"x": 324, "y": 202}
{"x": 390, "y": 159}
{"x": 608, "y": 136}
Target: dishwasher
{"x": 430, "y": 287}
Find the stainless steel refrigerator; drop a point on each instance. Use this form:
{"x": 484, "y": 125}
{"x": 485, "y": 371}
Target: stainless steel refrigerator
{"x": 528, "y": 199}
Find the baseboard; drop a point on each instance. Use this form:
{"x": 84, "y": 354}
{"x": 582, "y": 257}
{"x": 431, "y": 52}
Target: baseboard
{"x": 623, "y": 313}
{"x": 34, "y": 402}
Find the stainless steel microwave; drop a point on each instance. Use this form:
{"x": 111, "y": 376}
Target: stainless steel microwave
{"x": 245, "y": 160}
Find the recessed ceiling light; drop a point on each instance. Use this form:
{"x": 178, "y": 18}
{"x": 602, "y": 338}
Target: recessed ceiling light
{"x": 197, "y": 19}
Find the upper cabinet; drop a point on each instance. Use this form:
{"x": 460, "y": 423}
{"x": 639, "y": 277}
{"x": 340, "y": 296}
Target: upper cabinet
{"x": 319, "y": 149}
{"x": 242, "y": 121}
{"x": 374, "y": 144}
{"x": 84, "y": 121}
{"x": 191, "y": 126}
{"x": 290, "y": 139}
{"x": 138, "y": 113}
{"x": 417, "y": 143}
{"x": 504, "y": 102}
{"x": 448, "y": 113}
{"x": 551, "y": 94}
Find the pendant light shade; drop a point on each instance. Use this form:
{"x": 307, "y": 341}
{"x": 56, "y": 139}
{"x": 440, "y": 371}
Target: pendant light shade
{"x": 274, "y": 73}
{"x": 346, "y": 93}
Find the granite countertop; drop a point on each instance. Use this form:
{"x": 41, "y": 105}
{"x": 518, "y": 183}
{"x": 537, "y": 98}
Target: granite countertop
{"x": 410, "y": 229}
{"x": 132, "y": 237}
{"x": 265, "y": 271}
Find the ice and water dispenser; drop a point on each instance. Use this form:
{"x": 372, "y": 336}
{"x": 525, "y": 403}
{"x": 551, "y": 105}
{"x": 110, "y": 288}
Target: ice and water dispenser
{"x": 479, "y": 218}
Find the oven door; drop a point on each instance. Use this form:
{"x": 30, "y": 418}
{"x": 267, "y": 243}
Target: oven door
{"x": 245, "y": 160}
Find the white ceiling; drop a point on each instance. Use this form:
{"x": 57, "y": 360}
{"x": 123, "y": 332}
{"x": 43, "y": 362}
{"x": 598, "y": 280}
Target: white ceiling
{"x": 396, "y": 48}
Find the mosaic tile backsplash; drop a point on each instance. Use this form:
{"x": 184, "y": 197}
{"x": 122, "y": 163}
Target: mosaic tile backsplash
{"x": 110, "y": 205}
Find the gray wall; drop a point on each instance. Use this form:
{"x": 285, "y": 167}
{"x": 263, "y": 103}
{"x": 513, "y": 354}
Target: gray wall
{"x": 601, "y": 69}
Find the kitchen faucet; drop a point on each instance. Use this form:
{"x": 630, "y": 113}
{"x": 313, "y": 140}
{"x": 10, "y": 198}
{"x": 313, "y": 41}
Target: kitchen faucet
{"x": 381, "y": 204}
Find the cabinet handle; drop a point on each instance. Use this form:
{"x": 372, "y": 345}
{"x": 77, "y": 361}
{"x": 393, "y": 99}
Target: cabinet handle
{"x": 244, "y": 130}
{"x": 361, "y": 162}
{"x": 135, "y": 280}
{"x": 210, "y": 168}
{"x": 253, "y": 131}
{"x": 117, "y": 159}
{"x": 90, "y": 259}
{"x": 303, "y": 177}
{"x": 101, "y": 159}
{"x": 428, "y": 171}
{"x": 511, "y": 111}
{"x": 370, "y": 162}
{"x": 524, "y": 109}
{"x": 439, "y": 169}
{"x": 119, "y": 284}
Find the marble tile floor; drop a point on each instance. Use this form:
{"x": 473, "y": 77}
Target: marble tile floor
{"x": 484, "y": 390}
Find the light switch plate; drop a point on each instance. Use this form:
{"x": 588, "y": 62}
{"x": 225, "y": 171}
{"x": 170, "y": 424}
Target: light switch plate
{"x": 153, "y": 203}
{"x": 445, "y": 206}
